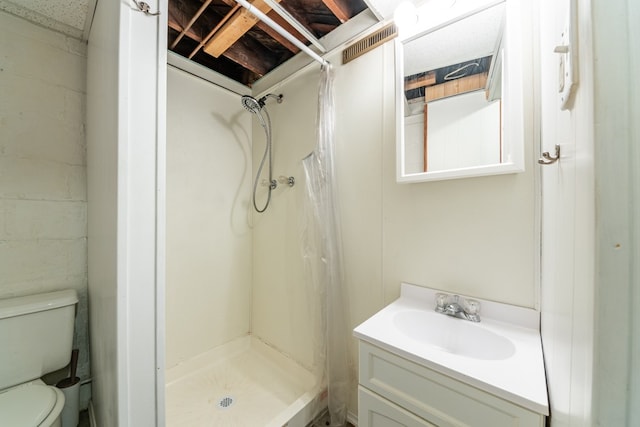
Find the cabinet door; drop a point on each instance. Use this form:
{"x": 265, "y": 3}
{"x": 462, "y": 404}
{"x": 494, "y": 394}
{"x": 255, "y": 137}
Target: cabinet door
{"x": 374, "y": 411}
{"x": 436, "y": 397}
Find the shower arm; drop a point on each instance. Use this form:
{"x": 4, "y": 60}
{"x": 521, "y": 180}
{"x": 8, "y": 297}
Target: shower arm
{"x": 284, "y": 33}
{"x": 278, "y": 98}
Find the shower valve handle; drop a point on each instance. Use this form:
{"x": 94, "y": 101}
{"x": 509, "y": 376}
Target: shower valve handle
{"x": 289, "y": 180}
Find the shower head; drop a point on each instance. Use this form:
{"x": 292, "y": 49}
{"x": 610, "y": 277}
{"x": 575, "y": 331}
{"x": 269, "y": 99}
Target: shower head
{"x": 255, "y": 105}
{"x": 251, "y": 104}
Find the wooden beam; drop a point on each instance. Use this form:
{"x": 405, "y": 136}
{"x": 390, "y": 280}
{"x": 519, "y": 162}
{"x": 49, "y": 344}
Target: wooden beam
{"x": 241, "y": 22}
{"x": 176, "y": 26}
{"x": 215, "y": 29}
{"x": 427, "y": 79}
{"x": 277, "y": 36}
{"x": 322, "y": 28}
{"x": 247, "y": 53}
{"x": 251, "y": 55}
{"x": 273, "y": 33}
{"x": 340, "y": 8}
{"x": 455, "y": 87}
{"x": 191, "y": 22}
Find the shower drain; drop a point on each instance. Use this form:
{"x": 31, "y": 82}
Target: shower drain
{"x": 226, "y": 402}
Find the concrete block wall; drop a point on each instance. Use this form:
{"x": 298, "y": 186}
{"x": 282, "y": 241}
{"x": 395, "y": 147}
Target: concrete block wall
{"x": 43, "y": 203}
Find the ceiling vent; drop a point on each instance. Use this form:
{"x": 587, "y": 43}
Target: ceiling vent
{"x": 369, "y": 42}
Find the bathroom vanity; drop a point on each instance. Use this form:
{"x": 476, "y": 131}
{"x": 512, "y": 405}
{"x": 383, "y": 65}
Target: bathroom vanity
{"x": 423, "y": 368}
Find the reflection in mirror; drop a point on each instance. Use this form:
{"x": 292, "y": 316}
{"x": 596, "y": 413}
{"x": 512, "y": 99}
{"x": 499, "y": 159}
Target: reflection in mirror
{"x": 451, "y": 90}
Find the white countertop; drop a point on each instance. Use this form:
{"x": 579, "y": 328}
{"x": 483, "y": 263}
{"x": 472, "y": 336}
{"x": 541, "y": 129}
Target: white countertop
{"x": 518, "y": 378}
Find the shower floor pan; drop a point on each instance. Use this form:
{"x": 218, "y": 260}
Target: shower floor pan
{"x": 241, "y": 383}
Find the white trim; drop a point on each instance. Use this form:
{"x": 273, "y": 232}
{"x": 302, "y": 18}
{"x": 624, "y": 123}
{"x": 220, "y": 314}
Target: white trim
{"x": 352, "y": 418}
{"x": 122, "y": 177}
{"x": 161, "y": 180}
{"x": 92, "y": 415}
{"x": 91, "y": 10}
{"x": 195, "y": 69}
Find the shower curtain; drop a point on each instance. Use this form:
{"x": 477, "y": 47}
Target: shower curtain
{"x": 322, "y": 251}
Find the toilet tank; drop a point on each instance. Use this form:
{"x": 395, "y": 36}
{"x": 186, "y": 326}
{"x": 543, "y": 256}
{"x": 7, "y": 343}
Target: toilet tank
{"x": 36, "y": 335}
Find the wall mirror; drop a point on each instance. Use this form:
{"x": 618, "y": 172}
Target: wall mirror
{"x": 459, "y": 95}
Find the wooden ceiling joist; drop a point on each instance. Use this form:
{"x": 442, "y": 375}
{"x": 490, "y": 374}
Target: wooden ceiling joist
{"x": 427, "y": 79}
{"x": 242, "y": 47}
{"x": 189, "y": 33}
{"x": 339, "y": 8}
{"x": 251, "y": 56}
{"x": 187, "y": 27}
{"x": 277, "y": 36}
{"x": 273, "y": 33}
{"x": 236, "y": 27}
{"x": 215, "y": 29}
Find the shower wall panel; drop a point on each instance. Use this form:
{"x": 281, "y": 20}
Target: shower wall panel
{"x": 283, "y": 309}
{"x": 208, "y": 235}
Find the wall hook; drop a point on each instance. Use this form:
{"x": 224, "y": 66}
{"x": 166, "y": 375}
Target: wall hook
{"x": 548, "y": 159}
{"x": 145, "y": 8}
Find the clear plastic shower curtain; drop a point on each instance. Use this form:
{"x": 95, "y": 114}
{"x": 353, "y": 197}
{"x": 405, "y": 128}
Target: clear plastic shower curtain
{"x": 322, "y": 250}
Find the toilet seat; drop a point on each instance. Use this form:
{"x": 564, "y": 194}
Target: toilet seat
{"x": 30, "y": 405}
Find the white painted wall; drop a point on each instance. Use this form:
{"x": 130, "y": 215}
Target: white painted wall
{"x": 209, "y": 253}
{"x": 125, "y": 142}
{"x": 43, "y": 201}
{"x": 616, "y": 47}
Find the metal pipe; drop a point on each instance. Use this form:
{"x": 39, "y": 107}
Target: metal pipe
{"x": 284, "y": 33}
{"x": 295, "y": 24}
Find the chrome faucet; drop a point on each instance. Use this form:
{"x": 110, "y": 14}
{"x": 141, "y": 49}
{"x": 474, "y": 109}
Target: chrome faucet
{"x": 456, "y": 306}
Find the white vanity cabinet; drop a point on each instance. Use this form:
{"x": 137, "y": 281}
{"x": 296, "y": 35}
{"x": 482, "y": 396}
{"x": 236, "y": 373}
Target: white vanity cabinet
{"x": 394, "y": 391}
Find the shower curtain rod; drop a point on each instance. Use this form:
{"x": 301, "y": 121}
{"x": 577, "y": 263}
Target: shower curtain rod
{"x": 284, "y": 33}
{"x": 295, "y": 24}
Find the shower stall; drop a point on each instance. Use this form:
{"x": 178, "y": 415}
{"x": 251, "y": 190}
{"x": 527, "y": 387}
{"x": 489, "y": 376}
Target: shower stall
{"x": 245, "y": 325}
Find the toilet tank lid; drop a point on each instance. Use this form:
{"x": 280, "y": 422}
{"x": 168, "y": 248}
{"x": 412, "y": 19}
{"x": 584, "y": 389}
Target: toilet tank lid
{"x": 10, "y": 307}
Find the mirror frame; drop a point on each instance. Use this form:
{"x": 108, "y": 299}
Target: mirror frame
{"x": 516, "y": 39}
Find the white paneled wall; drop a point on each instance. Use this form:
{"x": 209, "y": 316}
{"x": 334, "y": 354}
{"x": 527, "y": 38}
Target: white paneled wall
{"x": 568, "y": 221}
{"x": 43, "y": 208}
{"x": 472, "y": 236}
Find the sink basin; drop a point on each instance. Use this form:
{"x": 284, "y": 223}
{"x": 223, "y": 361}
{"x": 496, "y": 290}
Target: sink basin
{"x": 451, "y": 335}
{"x": 501, "y": 355}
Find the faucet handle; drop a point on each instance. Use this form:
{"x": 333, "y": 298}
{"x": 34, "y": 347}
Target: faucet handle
{"x": 441, "y": 301}
{"x": 472, "y": 307}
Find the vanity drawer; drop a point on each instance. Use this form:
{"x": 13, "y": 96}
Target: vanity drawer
{"x": 437, "y": 398}
{"x": 374, "y": 411}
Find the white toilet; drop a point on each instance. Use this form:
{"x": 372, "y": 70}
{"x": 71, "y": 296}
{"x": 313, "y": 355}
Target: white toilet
{"x": 36, "y": 335}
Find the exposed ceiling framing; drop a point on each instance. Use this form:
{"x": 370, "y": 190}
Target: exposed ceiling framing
{"x": 225, "y": 37}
